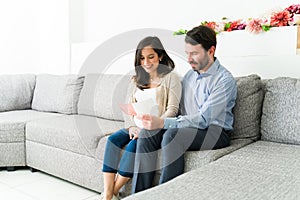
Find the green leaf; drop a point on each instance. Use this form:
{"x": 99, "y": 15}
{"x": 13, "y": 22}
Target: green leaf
{"x": 180, "y": 32}
{"x": 227, "y": 26}
{"x": 266, "y": 27}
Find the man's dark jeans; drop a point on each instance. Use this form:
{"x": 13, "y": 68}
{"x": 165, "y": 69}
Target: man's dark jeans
{"x": 172, "y": 143}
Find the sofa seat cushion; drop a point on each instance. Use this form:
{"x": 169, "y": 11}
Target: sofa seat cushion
{"x": 196, "y": 159}
{"x": 262, "y": 170}
{"x": 280, "y": 120}
{"x": 76, "y": 133}
{"x": 193, "y": 159}
{"x": 12, "y": 124}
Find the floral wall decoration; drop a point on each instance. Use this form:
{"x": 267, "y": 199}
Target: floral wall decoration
{"x": 289, "y": 16}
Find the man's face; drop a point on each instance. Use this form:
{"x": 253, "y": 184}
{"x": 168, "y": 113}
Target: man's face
{"x": 198, "y": 57}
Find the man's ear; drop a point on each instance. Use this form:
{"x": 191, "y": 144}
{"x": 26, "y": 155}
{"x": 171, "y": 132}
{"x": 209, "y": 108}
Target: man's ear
{"x": 212, "y": 50}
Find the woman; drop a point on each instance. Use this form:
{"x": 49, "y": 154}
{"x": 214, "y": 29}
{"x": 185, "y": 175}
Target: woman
{"x": 154, "y": 80}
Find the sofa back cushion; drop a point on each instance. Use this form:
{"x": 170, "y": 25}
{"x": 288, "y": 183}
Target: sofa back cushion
{"x": 16, "y": 91}
{"x": 57, "y": 93}
{"x": 281, "y": 111}
{"x": 247, "y": 110}
{"x": 102, "y": 95}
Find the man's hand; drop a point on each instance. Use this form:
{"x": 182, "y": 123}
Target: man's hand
{"x": 151, "y": 122}
{"x": 134, "y": 132}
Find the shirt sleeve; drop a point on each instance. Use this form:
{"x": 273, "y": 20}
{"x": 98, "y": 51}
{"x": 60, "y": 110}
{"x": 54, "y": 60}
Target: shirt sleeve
{"x": 170, "y": 123}
{"x": 214, "y": 110}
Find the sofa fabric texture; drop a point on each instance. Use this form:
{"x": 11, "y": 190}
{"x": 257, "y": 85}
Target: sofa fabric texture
{"x": 281, "y": 111}
{"x": 102, "y": 95}
{"x": 76, "y": 168}
{"x": 12, "y": 124}
{"x": 16, "y": 91}
{"x": 12, "y": 135}
{"x": 196, "y": 159}
{"x": 75, "y": 133}
{"x": 60, "y": 125}
{"x": 12, "y": 154}
{"x": 247, "y": 110}
{"x": 261, "y": 170}
{"x": 57, "y": 93}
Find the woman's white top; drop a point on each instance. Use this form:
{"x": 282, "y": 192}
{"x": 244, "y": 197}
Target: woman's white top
{"x": 144, "y": 95}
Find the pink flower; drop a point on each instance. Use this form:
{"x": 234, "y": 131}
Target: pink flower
{"x": 287, "y": 17}
{"x": 233, "y": 25}
{"x": 293, "y": 9}
{"x": 220, "y": 27}
{"x": 212, "y": 25}
{"x": 217, "y": 27}
{"x": 254, "y": 26}
{"x": 281, "y": 18}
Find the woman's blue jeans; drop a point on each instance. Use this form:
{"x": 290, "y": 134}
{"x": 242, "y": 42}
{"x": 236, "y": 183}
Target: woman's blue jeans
{"x": 114, "y": 146}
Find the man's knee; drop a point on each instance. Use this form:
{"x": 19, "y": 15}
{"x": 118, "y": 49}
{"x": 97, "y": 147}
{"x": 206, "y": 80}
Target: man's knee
{"x": 142, "y": 141}
{"x": 143, "y": 134}
{"x": 148, "y": 141}
{"x": 168, "y": 136}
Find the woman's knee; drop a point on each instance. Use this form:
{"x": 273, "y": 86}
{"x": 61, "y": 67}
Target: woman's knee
{"x": 131, "y": 147}
{"x": 117, "y": 138}
{"x": 112, "y": 140}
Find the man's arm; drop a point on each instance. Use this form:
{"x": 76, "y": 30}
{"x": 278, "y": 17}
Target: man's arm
{"x": 220, "y": 101}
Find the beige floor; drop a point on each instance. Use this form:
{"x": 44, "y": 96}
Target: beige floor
{"x": 22, "y": 184}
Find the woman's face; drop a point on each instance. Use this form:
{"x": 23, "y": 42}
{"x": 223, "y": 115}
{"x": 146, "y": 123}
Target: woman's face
{"x": 149, "y": 60}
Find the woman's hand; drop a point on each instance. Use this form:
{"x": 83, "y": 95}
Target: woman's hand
{"x": 134, "y": 132}
{"x": 151, "y": 122}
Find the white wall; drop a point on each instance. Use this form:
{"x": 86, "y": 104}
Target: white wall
{"x": 37, "y": 36}
{"x": 34, "y": 36}
{"x": 269, "y": 54}
{"x": 103, "y": 21}
{"x": 106, "y": 19}
{"x": 19, "y": 49}
{"x": 54, "y": 38}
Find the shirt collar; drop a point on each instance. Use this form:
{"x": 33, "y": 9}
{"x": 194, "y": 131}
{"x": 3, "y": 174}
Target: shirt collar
{"x": 213, "y": 69}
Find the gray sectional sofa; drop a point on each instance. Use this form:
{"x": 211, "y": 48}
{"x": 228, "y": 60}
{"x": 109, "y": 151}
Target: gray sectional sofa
{"x": 265, "y": 169}
{"x": 60, "y": 124}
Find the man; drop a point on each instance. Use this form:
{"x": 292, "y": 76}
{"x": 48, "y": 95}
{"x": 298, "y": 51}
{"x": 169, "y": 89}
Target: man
{"x": 208, "y": 96}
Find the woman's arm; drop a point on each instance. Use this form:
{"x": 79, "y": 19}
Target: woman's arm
{"x": 128, "y": 119}
{"x": 174, "y": 90}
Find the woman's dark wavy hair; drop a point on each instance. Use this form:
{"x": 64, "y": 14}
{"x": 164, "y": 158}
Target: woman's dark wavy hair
{"x": 166, "y": 65}
{"x": 202, "y": 35}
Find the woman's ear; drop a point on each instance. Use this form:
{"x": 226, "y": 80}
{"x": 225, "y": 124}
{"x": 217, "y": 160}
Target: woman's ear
{"x": 160, "y": 58}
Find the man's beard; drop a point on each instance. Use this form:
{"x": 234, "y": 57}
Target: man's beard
{"x": 199, "y": 66}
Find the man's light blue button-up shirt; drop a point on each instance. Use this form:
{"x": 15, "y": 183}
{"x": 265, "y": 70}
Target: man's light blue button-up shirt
{"x": 207, "y": 98}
